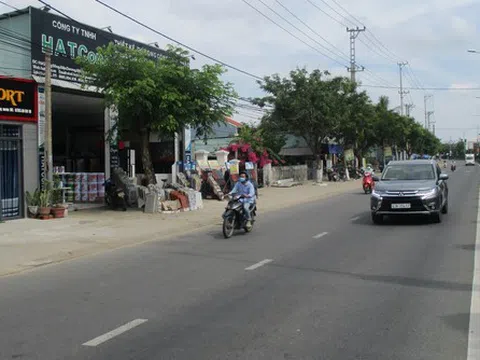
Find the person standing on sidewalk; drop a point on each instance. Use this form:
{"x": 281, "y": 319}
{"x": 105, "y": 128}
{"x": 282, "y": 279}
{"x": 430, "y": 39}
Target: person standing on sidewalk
{"x": 245, "y": 188}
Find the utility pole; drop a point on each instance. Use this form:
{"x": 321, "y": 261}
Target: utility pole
{"x": 353, "y": 65}
{"x": 429, "y": 122}
{"x": 425, "y": 98}
{"x": 401, "y": 92}
{"x": 408, "y": 107}
{"x": 48, "y": 115}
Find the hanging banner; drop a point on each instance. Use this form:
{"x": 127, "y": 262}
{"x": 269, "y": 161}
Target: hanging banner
{"x": 41, "y": 135}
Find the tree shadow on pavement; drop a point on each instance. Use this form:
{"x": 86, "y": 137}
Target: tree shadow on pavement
{"x": 392, "y": 279}
{"x": 467, "y": 247}
{"x": 458, "y": 322}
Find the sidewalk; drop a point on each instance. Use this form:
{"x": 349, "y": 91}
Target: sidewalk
{"x": 26, "y": 244}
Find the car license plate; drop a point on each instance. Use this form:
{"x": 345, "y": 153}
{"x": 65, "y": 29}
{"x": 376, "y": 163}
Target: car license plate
{"x": 401, "y": 206}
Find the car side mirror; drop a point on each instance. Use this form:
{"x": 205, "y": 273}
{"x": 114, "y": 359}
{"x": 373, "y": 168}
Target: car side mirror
{"x": 443, "y": 177}
{"x": 375, "y": 178}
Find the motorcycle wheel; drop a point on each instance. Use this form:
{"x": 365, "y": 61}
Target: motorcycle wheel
{"x": 366, "y": 189}
{"x": 228, "y": 226}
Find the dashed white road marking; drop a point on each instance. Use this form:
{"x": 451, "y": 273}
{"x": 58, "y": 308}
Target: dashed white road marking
{"x": 474, "y": 327}
{"x": 257, "y": 265}
{"x": 318, "y": 236}
{"x": 355, "y": 218}
{"x": 111, "y": 334}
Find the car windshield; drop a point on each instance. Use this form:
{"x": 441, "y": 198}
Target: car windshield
{"x": 469, "y": 157}
{"x": 409, "y": 172}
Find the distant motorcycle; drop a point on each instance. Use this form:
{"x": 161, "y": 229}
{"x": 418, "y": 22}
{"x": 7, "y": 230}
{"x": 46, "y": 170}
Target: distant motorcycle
{"x": 453, "y": 167}
{"x": 234, "y": 217}
{"x": 368, "y": 183}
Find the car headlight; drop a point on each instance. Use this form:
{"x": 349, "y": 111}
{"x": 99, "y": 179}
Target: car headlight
{"x": 377, "y": 194}
{"x": 428, "y": 193}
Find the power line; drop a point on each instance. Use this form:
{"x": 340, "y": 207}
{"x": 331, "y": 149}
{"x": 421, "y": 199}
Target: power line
{"x": 423, "y": 89}
{"x": 311, "y": 29}
{"x": 164, "y": 36}
{"x": 10, "y": 6}
{"x": 288, "y": 31}
{"x": 329, "y": 15}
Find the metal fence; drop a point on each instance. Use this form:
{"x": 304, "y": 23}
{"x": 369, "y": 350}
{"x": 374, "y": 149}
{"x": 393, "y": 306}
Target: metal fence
{"x": 11, "y": 194}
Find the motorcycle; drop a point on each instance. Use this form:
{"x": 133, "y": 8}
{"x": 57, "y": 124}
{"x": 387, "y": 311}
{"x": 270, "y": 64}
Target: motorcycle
{"x": 114, "y": 196}
{"x": 234, "y": 217}
{"x": 368, "y": 183}
{"x": 453, "y": 167}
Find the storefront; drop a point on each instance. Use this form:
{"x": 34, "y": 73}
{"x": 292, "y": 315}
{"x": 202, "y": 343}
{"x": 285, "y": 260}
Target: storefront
{"x": 18, "y": 118}
{"x": 83, "y": 150}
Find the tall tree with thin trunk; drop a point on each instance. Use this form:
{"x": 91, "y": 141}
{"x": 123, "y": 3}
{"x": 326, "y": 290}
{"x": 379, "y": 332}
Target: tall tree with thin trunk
{"x": 159, "y": 95}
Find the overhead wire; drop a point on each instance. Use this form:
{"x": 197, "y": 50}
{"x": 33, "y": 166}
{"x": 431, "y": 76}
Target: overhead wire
{"x": 8, "y": 5}
{"x": 288, "y": 31}
{"x": 138, "y": 22}
{"x": 310, "y": 28}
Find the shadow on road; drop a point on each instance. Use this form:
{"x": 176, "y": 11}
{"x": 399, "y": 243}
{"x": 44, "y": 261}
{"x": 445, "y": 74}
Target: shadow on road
{"x": 467, "y": 247}
{"x": 458, "y": 322}
{"x": 399, "y": 220}
{"x": 391, "y": 279}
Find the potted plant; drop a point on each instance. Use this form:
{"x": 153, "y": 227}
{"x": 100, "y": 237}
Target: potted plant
{"x": 44, "y": 203}
{"x": 58, "y": 209}
{"x": 33, "y": 201}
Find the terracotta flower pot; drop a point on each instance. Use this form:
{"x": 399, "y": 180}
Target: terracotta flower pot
{"x": 44, "y": 211}
{"x": 58, "y": 212}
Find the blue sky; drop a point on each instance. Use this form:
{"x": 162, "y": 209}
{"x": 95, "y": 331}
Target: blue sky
{"x": 433, "y": 36}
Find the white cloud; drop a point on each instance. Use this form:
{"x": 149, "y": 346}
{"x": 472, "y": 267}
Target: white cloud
{"x": 433, "y": 35}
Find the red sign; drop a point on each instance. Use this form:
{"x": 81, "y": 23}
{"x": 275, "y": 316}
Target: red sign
{"x": 18, "y": 99}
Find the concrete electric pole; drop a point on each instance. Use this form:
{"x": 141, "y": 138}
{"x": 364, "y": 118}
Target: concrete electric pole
{"x": 408, "y": 108}
{"x": 353, "y": 65}
{"x": 425, "y": 98}
{"x": 401, "y": 92}
{"x": 429, "y": 122}
{"x": 48, "y": 115}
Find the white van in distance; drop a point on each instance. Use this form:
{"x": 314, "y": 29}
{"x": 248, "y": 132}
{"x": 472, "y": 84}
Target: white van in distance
{"x": 470, "y": 159}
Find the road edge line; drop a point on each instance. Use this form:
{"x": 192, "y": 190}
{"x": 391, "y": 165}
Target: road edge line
{"x": 473, "y": 348}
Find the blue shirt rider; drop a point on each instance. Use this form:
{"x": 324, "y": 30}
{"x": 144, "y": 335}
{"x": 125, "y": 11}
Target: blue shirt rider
{"x": 245, "y": 187}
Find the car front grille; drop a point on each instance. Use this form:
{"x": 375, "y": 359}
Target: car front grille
{"x": 416, "y": 204}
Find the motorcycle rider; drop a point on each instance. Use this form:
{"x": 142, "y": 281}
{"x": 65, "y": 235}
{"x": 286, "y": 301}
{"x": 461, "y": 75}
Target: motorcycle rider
{"x": 245, "y": 187}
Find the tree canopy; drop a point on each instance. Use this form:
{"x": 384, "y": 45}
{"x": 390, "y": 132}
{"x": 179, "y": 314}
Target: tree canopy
{"x": 321, "y": 108}
{"x": 161, "y": 95}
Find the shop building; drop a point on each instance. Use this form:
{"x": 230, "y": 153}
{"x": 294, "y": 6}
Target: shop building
{"x": 82, "y": 152}
{"x": 18, "y": 144}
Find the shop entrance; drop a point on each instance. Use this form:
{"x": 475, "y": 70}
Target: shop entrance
{"x": 78, "y": 139}
{"x": 11, "y": 194}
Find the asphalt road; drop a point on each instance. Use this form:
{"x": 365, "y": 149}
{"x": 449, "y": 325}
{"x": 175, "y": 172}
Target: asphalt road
{"x": 323, "y": 283}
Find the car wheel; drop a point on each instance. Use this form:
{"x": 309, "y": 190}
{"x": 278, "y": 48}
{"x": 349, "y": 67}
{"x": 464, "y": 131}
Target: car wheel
{"x": 445, "y": 208}
{"x": 377, "y": 219}
{"x": 437, "y": 218}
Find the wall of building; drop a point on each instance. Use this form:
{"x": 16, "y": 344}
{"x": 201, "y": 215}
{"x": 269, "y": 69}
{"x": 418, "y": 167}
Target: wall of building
{"x": 15, "y": 49}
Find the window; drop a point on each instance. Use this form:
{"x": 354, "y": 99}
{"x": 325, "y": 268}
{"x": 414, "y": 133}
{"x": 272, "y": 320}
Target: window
{"x": 404, "y": 172}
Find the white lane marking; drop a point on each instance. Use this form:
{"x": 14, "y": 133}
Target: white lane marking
{"x": 318, "y": 236}
{"x": 257, "y": 265}
{"x": 111, "y": 334}
{"x": 355, "y": 218}
{"x": 474, "y": 327}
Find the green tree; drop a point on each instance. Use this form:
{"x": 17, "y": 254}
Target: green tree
{"x": 357, "y": 126}
{"x": 308, "y": 105}
{"x": 159, "y": 95}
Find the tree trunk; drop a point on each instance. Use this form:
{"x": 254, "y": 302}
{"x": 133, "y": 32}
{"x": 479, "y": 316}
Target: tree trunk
{"x": 319, "y": 168}
{"x": 146, "y": 157}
